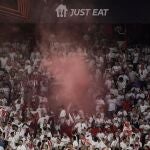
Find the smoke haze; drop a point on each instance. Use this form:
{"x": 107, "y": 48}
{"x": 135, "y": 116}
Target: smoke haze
{"x": 72, "y": 76}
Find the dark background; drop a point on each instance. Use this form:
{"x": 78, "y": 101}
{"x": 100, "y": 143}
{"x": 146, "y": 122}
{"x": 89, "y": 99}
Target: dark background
{"x": 9, "y": 3}
{"x": 39, "y": 11}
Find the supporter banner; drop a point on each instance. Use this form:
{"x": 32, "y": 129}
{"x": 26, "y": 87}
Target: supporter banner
{"x": 101, "y": 11}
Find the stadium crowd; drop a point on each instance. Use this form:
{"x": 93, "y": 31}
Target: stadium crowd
{"x": 121, "y": 119}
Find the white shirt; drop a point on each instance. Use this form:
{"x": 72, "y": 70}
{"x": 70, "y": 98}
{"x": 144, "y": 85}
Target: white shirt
{"x": 123, "y": 145}
{"x": 3, "y": 61}
{"x": 102, "y": 145}
{"x": 80, "y": 126}
{"x": 28, "y": 68}
{"x": 108, "y": 83}
{"x": 136, "y": 57}
{"x": 116, "y": 68}
{"x": 143, "y": 108}
{"x": 12, "y": 142}
{"x": 111, "y": 104}
{"x": 100, "y": 135}
{"x": 65, "y": 140}
{"x": 114, "y": 143}
{"x": 41, "y": 121}
{"x": 21, "y": 147}
{"x": 75, "y": 144}
{"x": 132, "y": 76}
{"x": 121, "y": 85}
{"x": 62, "y": 114}
{"x": 1, "y": 148}
{"x": 143, "y": 74}
{"x": 12, "y": 55}
{"x": 114, "y": 91}
{"x": 145, "y": 127}
{"x": 8, "y": 67}
{"x": 140, "y": 95}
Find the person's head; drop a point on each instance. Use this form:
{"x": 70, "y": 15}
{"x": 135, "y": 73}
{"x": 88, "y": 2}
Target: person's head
{"x": 137, "y": 139}
{"x": 146, "y": 147}
{"x": 133, "y": 135}
{"x": 58, "y": 140}
{"x": 142, "y": 103}
{"x": 12, "y": 72}
{"x": 45, "y": 138}
{"x": 9, "y": 124}
{"x": 145, "y": 122}
{"x": 95, "y": 139}
{"x": 12, "y": 134}
{"x": 69, "y": 146}
{"x": 15, "y": 127}
{"x": 74, "y": 138}
{"x": 120, "y": 79}
{"x": 45, "y": 120}
{"x": 81, "y": 136}
{"x": 112, "y": 96}
{"x": 130, "y": 69}
{"x": 64, "y": 135}
{"x": 20, "y": 142}
{"x": 2, "y": 95}
{"x": 113, "y": 86}
{"x": 114, "y": 115}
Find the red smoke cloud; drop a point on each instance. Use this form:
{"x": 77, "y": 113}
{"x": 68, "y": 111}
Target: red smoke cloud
{"x": 72, "y": 77}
